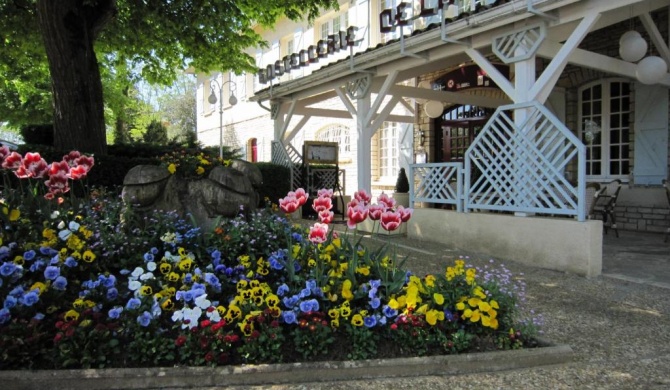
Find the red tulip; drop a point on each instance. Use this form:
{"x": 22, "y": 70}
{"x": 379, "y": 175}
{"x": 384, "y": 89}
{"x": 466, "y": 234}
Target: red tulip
{"x": 326, "y": 216}
{"x": 12, "y": 161}
{"x": 301, "y": 196}
{"x": 386, "y": 201}
{"x": 325, "y": 193}
{"x": 318, "y": 233}
{"x": 322, "y": 203}
{"x": 390, "y": 220}
{"x": 405, "y": 214}
{"x": 356, "y": 215}
{"x": 289, "y": 204}
{"x": 376, "y": 211}
{"x": 362, "y": 196}
{"x": 34, "y": 166}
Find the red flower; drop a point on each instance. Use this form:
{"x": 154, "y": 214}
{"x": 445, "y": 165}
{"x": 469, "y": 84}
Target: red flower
{"x": 58, "y": 337}
{"x": 322, "y": 203}
{"x": 181, "y": 340}
{"x": 289, "y": 204}
{"x": 386, "y": 200}
{"x": 4, "y": 152}
{"x": 85, "y": 161}
{"x": 78, "y": 172}
{"x": 70, "y": 157}
{"x": 205, "y": 323}
{"x": 318, "y": 233}
{"x": 326, "y": 216}
{"x": 356, "y": 215}
{"x": 405, "y": 214}
{"x": 12, "y": 161}
{"x": 390, "y": 220}
{"x": 324, "y": 193}
{"x": 59, "y": 167}
{"x": 375, "y": 211}
{"x": 33, "y": 165}
{"x": 301, "y": 196}
{"x": 209, "y": 356}
{"x": 57, "y": 183}
{"x": 362, "y": 196}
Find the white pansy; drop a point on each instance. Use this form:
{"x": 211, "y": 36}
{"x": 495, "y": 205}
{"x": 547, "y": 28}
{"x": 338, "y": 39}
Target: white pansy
{"x": 202, "y": 302}
{"x": 151, "y": 266}
{"x": 55, "y": 214}
{"x": 61, "y": 225}
{"x": 137, "y": 272}
{"x": 177, "y": 316}
{"x": 147, "y": 276}
{"x": 214, "y": 316}
{"x": 133, "y": 285}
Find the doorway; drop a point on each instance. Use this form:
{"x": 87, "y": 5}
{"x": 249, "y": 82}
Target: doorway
{"x": 457, "y": 129}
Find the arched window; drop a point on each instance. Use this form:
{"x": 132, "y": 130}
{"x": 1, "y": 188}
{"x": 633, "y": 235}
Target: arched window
{"x": 336, "y": 133}
{"x": 605, "y": 106}
{"x": 252, "y": 150}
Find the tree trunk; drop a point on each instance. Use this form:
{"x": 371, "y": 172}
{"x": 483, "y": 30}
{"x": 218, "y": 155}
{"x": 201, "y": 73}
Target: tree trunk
{"x": 69, "y": 30}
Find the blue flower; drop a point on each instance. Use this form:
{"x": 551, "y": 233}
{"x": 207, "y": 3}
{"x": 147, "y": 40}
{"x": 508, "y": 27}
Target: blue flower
{"x": 115, "y": 312}
{"x": 296, "y": 266}
{"x": 305, "y": 292}
{"x": 54, "y": 260}
{"x": 60, "y": 283}
{"x": 289, "y": 302}
{"x": 281, "y": 290}
{"x": 449, "y": 316}
{"x": 216, "y": 255}
{"x": 370, "y": 321}
{"x": 7, "y": 268}
{"x": 71, "y": 262}
{"x": 382, "y": 321}
{"x": 276, "y": 264}
{"x": 112, "y": 294}
{"x": 109, "y": 281}
{"x": 388, "y": 312}
{"x": 309, "y": 306}
{"x": 4, "y": 252}
{"x": 47, "y": 251}
{"x": 297, "y": 237}
{"x": 144, "y": 319}
{"x": 372, "y": 293}
{"x": 38, "y": 317}
{"x": 29, "y": 255}
{"x": 375, "y": 302}
{"x": 311, "y": 284}
{"x": 30, "y": 298}
{"x": 17, "y": 292}
{"x": 288, "y": 316}
{"x": 36, "y": 266}
{"x": 51, "y": 272}
{"x": 188, "y": 278}
{"x": 4, "y": 316}
{"x": 148, "y": 257}
{"x": 10, "y": 302}
{"x": 133, "y": 303}
{"x": 375, "y": 283}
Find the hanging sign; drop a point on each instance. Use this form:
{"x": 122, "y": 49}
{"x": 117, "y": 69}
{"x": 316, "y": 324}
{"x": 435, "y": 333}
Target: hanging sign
{"x": 323, "y": 48}
{"x": 466, "y": 77}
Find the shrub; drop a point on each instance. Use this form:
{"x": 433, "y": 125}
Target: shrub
{"x": 38, "y": 134}
{"x": 276, "y": 181}
{"x": 402, "y": 184}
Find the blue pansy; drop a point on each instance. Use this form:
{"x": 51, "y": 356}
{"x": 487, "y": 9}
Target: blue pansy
{"x": 7, "y": 268}
{"x": 289, "y": 302}
{"x": 4, "y": 316}
{"x": 112, "y": 294}
{"x": 289, "y": 317}
{"x": 370, "y": 321}
{"x": 281, "y": 290}
{"x": 17, "y": 292}
{"x": 47, "y": 251}
{"x": 388, "y": 312}
{"x": 36, "y": 266}
{"x": 60, "y": 283}
{"x": 148, "y": 257}
{"x": 38, "y": 317}
{"x": 30, "y": 298}
{"x": 52, "y": 272}
{"x": 375, "y": 302}
{"x": 115, "y": 312}
{"x": 10, "y": 302}
{"x": 144, "y": 319}
{"x": 70, "y": 262}
{"x": 133, "y": 303}
{"x": 305, "y": 292}
{"x": 311, "y": 284}
{"x": 29, "y": 255}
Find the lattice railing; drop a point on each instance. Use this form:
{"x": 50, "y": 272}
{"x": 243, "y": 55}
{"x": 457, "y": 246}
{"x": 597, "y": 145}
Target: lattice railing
{"x": 285, "y": 156}
{"x": 520, "y": 168}
{"x": 436, "y": 183}
{"x": 324, "y": 178}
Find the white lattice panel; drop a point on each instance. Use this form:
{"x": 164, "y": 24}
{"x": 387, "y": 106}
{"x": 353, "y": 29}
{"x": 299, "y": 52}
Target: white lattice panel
{"x": 521, "y": 167}
{"x": 436, "y": 183}
{"x": 519, "y": 45}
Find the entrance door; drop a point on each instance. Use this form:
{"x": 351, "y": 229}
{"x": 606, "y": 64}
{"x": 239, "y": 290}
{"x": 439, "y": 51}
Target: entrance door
{"x": 457, "y": 135}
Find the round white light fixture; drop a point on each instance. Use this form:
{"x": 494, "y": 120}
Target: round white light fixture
{"x": 425, "y": 84}
{"x": 651, "y": 69}
{"x": 433, "y": 109}
{"x": 633, "y": 48}
{"x": 629, "y": 34}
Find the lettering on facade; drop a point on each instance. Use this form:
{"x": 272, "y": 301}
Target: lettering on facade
{"x": 341, "y": 40}
{"x": 399, "y": 16}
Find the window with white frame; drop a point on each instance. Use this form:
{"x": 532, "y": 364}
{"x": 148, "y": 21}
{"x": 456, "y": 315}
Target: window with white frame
{"x": 388, "y": 150}
{"x": 605, "y": 105}
{"x": 336, "y": 133}
{"x": 240, "y": 85}
{"x": 325, "y": 29}
{"x": 207, "y": 107}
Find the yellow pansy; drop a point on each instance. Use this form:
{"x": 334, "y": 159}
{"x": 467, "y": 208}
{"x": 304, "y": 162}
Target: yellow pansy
{"x": 357, "y": 320}
{"x": 71, "y": 315}
{"x": 438, "y": 298}
{"x": 432, "y": 316}
{"x": 199, "y": 170}
{"x": 172, "y": 168}
{"x": 88, "y": 256}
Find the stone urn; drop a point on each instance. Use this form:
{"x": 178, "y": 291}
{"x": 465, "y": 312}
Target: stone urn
{"x": 225, "y": 192}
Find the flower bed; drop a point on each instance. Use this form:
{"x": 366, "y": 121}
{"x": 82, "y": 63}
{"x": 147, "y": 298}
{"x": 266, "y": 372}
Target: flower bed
{"x": 82, "y": 289}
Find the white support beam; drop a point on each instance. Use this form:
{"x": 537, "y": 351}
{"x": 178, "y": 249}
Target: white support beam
{"x": 363, "y": 145}
{"x": 346, "y": 101}
{"x": 546, "y": 82}
{"x": 656, "y": 37}
{"x": 407, "y": 105}
{"x": 324, "y": 113}
{"x": 595, "y": 61}
{"x": 289, "y": 116}
{"x": 383, "y": 115}
{"x": 381, "y": 95}
{"x": 289, "y": 137}
{"x": 501, "y": 81}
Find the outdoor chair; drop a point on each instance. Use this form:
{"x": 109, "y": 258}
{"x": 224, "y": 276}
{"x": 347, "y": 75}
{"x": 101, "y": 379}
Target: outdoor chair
{"x": 605, "y": 202}
{"x": 592, "y": 191}
{"x": 666, "y": 185}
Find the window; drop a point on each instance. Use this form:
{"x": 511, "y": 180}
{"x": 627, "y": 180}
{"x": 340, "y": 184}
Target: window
{"x": 336, "y": 24}
{"x": 388, "y": 150}
{"x": 290, "y": 49}
{"x": 324, "y": 30}
{"x": 240, "y": 85}
{"x": 336, "y": 133}
{"x": 606, "y": 106}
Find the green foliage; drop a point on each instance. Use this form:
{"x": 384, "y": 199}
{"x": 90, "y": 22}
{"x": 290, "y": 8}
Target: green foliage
{"x": 276, "y": 181}
{"x": 402, "y": 184}
{"x": 156, "y": 133}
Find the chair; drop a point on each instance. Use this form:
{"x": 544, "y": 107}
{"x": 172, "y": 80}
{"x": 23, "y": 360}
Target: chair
{"x": 666, "y": 185}
{"x": 592, "y": 191}
{"x": 605, "y": 202}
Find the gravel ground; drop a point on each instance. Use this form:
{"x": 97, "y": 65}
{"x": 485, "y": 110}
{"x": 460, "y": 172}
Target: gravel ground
{"x": 619, "y": 331}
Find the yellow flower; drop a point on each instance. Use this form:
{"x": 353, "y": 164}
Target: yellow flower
{"x": 335, "y": 323}
{"x": 459, "y": 306}
{"x": 173, "y": 276}
{"x": 146, "y": 290}
{"x": 484, "y": 306}
{"x": 71, "y": 315}
{"x": 473, "y": 302}
{"x": 494, "y": 304}
{"x": 486, "y": 321}
{"x": 365, "y": 270}
{"x": 41, "y": 287}
{"x": 334, "y": 314}
{"x": 494, "y": 323}
{"x": 167, "y": 304}
{"x": 438, "y": 298}
{"x": 430, "y": 280}
{"x": 88, "y": 256}
{"x": 199, "y": 170}
{"x": 357, "y": 320}
{"x": 272, "y": 300}
{"x": 475, "y": 316}
{"x": 345, "y": 311}
{"x": 432, "y": 316}
{"x": 172, "y": 168}
{"x": 14, "y": 215}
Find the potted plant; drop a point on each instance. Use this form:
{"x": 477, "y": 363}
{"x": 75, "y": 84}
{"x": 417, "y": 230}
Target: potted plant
{"x": 401, "y": 194}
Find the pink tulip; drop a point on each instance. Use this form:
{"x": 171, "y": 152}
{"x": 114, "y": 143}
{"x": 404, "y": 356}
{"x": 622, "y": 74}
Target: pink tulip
{"x": 362, "y": 197}
{"x": 85, "y": 161}
{"x": 390, "y": 220}
{"x": 318, "y": 233}
{"x": 375, "y": 211}
{"x": 326, "y": 216}
{"x": 289, "y": 204}
{"x": 4, "y": 152}
{"x": 301, "y": 196}
{"x": 405, "y": 214}
{"x": 386, "y": 201}
{"x": 325, "y": 193}
{"x": 356, "y": 215}
{"x": 71, "y": 157}
{"x": 34, "y": 166}
{"x": 12, "y": 161}
{"x": 321, "y": 203}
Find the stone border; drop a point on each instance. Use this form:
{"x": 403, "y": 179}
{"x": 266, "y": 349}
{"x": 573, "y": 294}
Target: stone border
{"x": 188, "y": 377}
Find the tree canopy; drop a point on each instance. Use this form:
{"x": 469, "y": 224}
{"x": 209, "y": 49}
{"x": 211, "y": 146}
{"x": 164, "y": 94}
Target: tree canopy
{"x": 153, "y": 39}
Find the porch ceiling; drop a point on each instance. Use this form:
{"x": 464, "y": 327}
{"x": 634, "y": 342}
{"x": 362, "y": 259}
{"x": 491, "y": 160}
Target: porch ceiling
{"x": 478, "y": 32}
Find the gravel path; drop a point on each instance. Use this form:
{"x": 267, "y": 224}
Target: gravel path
{"x": 619, "y": 331}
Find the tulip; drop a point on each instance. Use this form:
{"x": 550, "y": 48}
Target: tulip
{"x": 390, "y": 220}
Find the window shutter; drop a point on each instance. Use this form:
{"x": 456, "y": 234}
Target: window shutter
{"x": 651, "y": 134}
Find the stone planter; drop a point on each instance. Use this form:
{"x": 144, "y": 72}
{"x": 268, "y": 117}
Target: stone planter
{"x": 372, "y": 227}
{"x": 401, "y": 199}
